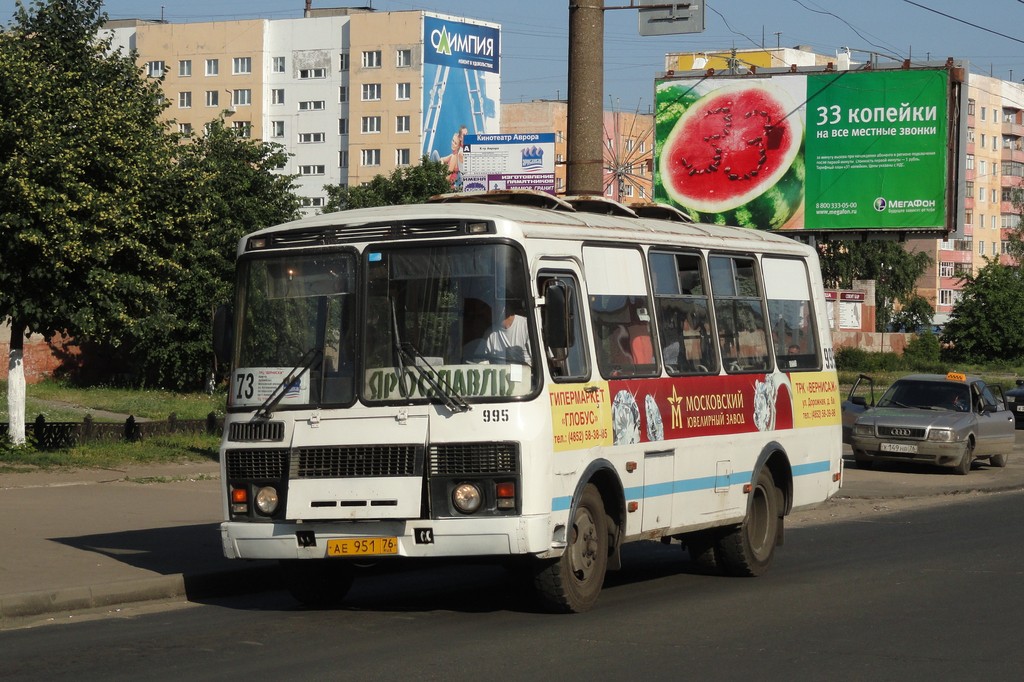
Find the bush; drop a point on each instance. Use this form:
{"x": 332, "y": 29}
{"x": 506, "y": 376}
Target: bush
{"x": 923, "y": 354}
{"x": 859, "y": 360}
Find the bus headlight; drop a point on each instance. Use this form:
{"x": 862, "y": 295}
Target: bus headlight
{"x": 267, "y": 500}
{"x": 467, "y": 497}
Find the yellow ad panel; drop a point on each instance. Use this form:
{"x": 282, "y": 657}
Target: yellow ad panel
{"x": 815, "y": 399}
{"x": 581, "y": 415}
{"x": 719, "y": 61}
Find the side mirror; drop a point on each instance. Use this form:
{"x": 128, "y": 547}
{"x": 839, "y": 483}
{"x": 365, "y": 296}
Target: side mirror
{"x": 556, "y": 317}
{"x": 223, "y": 333}
{"x": 859, "y": 400}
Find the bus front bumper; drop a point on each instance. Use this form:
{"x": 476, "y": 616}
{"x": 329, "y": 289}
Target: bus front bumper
{"x": 419, "y": 538}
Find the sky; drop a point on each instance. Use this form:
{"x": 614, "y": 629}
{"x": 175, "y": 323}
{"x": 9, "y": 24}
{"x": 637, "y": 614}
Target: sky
{"x": 987, "y": 33}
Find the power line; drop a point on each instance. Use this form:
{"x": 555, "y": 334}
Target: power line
{"x": 950, "y": 16}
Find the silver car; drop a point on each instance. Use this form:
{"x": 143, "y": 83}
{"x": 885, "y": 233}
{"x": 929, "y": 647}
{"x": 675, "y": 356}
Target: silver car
{"x": 949, "y": 420}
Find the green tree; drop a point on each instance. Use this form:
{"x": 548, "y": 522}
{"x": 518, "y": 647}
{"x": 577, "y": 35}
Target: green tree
{"x": 83, "y": 158}
{"x": 987, "y": 323}
{"x": 222, "y": 187}
{"x": 406, "y": 185}
{"x": 916, "y": 313}
{"x": 1015, "y": 235}
{"x": 894, "y": 270}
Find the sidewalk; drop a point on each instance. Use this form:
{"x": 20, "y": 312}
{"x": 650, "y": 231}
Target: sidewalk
{"x": 96, "y": 538}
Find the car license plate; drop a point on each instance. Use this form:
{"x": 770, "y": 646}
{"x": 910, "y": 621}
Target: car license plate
{"x": 899, "y": 447}
{"x": 362, "y": 547}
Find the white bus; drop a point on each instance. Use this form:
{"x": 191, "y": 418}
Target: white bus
{"x": 535, "y": 383}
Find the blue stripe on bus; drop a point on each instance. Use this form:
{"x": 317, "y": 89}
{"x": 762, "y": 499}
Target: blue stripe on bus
{"x": 690, "y": 485}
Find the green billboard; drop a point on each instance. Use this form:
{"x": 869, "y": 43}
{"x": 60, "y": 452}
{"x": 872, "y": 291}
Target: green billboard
{"x": 851, "y": 150}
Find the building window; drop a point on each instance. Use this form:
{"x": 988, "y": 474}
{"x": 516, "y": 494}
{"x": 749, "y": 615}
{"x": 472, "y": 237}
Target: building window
{"x": 277, "y": 128}
{"x": 970, "y": 107}
{"x": 968, "y": 217}
{"x": 242, "y": 128}
{"x": 371, "y": 59}
{"x": 155, "y": 69}
{"x": 369, "y": 157}
{"x": 945, "y": 269}
{"x": 402, "y": 157}
{"x": 371, "y": 92}
{"x": 212, "y": 98}
{"x": 212, "y": 67}
{"x": 981, "y": 193}
{"x": 981, "y": 244}
{"x": 342, "y": 94}
{"x": 995, "y": 199}
{"x": 628, "y": 190}
{"x": 343, "y": 126}
{"x": 643, "y": 193}
{"x": 312, "y": 105}
{"x": 403, "y": 124}
{"x": 278, "y": 65}
{"x": 343, "y": 158}
{"x": 241, "y": 97}
{"x": 343, "y": 62}
{"x": 983, "y": 140}
{"x": 629, "y": 145}
{"x": 185, "y": 100}
{"x": 184, "y": 68}
{"x": 945, "y": 297}
{"x": 371, "y": 124}
{"x": 185, "y": 128}
{"x": 277, "y": 96}
{"x": 970, "y": 162}
{"x": 1005, "y": 247}
{"x": 312, "y": 202}
{"x": 241, "y": 65}
{"x": 312, "y": 73}
{"x": 403, "y": 91}
{"x": 643, "y": 146}
{"x": 403, "y": 58}
{"x": 992, "y": 224}
{"x": 312, "y": 170}
{"x": 310, "y": 138}
{"x": 983, "y": 113}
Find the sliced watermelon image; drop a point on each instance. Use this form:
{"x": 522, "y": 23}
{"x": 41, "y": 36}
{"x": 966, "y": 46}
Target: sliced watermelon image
{"x": 734, "y": 156}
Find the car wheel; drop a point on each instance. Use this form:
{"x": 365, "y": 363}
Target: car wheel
{"x": 998, "y": 461}
{"x": 965, "y": 463}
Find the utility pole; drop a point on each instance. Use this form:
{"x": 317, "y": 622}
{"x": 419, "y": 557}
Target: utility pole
{"x": 585, "y": 154}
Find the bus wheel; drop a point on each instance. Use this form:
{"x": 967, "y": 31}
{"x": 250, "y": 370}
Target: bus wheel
{"x": 748, "y": 549}
{"x": 572, "y": 583}
{"x": 318, "y": 583}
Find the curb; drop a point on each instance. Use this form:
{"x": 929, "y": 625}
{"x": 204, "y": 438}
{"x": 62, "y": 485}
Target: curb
{"x": 198, "y": 586}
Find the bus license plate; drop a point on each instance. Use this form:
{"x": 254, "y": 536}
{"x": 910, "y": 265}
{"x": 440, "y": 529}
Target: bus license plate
{"x": 362, "y": 547}
{"x": 899, "y": 447}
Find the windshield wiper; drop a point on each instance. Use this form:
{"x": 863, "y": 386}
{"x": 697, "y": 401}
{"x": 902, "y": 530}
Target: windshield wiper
{"x": 407, "y": 353}
{"x": 307, "y": 360}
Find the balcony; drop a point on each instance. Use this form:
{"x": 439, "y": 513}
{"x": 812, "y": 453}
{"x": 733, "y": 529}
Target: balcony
{"x": 1013, "y": 129}
{"x": 1012, "y": 154}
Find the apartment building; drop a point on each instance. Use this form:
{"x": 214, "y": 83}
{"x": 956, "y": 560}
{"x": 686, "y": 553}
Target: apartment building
{"x": 628, "y": 145}
{"x": 350, "y": 93}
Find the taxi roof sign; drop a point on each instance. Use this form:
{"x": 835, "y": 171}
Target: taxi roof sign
{"x": 956, "y": 376}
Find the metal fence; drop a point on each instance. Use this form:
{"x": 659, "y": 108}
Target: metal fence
{"x": 47, "y": 435}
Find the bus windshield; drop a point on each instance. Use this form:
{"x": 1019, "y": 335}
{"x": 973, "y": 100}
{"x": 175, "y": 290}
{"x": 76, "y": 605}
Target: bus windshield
{"x": 297, "y": 311}
{"x": 449, "y": 320}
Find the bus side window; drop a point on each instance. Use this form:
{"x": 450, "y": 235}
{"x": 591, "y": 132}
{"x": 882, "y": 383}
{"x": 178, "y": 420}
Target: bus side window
{"x": 568, "y": 361}
{"x": 620, "y": 310}
{"x": 790, "y": 314}
{"x": 739, "y": 313}
{"x": 681, "y": 305}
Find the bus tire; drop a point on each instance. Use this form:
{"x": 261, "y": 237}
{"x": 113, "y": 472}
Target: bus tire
{"x": 572, "y": 583}
{"x": 748, "y": 549}
{"x": 318, "y": 583}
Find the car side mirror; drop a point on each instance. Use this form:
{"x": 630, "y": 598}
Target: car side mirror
{"x": 859, "y": 400}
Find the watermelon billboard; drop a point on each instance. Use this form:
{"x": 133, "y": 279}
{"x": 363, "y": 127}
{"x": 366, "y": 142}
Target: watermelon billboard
{"x": 850, "y": 150}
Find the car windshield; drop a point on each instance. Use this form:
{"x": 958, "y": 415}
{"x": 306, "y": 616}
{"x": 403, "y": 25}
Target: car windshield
{"x": 928, "y": 395}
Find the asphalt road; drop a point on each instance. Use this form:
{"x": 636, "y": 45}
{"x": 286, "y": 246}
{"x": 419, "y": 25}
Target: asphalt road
{"x": 913, "y": 595}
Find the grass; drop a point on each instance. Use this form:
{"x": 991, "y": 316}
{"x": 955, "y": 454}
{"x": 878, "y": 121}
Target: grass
{"x": 57, "y": 401}
{"x": 60, "y": 402}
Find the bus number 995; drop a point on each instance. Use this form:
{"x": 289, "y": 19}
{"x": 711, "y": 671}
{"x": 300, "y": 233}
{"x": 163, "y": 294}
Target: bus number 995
{"x": 496, "y": 415}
